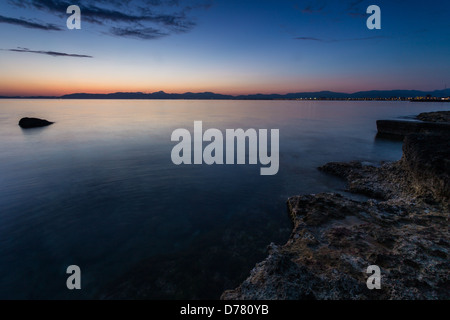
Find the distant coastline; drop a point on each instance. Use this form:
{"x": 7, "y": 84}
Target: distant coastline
{"x": 392, "y": 95}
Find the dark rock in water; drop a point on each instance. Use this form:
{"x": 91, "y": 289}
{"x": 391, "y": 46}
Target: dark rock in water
{"x": 403, "y": 229}
{"x": 27, "y": 123}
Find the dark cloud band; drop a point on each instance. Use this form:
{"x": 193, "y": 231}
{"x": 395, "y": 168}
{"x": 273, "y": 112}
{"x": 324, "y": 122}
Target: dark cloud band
{"x": 29, "y": 24}
{"x": 144, "y": 19}
{"x": 49, "y": 53}
{"x": 339, "y": 40}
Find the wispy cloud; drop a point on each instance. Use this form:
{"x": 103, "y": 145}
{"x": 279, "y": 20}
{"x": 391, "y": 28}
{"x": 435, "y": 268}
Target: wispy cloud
{"x": 357, "y": 15}
{"x": 356, "y": 10}
{"x": 364, "y": 38}
{"x": 145, "y": 33}
{"x": 339, "y": 40}
{"x": 144, "y": 19}
{"x": 309, "y": 39}
{"x": 29, "y": 24}
{"x": 314, "y": 7}
{"x": 353, "y": 8}
{"x": 49, "y": 53}
{"x": 355, "y": 4}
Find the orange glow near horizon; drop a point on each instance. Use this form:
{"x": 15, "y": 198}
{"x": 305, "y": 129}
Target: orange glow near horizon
{"x": 54, "y": 91}
{"x": 43, "y": 76}
{"x": 55, "y": 84}
{"x": 26, "y": 75}
{"x": 16, "y": 85}
{"x": 290, "y": 52}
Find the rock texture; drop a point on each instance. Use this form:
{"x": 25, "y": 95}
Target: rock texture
{"x": 423, "y": 173}
{"x": 27, "y": 123}
{"x": 439, "y": 116}
{"x": 402, "y": 228}
{"x": 426, "y": 159}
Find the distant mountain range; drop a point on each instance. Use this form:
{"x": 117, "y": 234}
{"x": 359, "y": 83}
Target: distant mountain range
{"x": 374, "y": 94}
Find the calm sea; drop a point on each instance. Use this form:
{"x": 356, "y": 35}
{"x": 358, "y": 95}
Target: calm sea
{"x": 98, "y": 189}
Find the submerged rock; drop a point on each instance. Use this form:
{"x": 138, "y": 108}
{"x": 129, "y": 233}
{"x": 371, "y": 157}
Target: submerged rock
{"x": 402, "y": 228}
{"x": 27, "y": 123}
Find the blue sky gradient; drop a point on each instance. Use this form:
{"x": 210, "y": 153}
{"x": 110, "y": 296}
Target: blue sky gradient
{"x": 225, "y": 46}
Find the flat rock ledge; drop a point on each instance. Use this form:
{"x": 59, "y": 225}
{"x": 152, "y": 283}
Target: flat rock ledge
{"x": 402, "y": 227}
{"x": 428, "y": 122}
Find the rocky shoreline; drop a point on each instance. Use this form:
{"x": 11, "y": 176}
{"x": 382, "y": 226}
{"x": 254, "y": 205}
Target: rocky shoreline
{"x": 402, "y": 227}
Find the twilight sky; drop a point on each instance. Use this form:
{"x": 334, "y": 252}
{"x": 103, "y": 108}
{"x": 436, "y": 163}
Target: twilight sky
{"x": 224, "y": 46}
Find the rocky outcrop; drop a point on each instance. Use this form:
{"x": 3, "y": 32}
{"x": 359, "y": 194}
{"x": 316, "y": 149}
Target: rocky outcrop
{"x": 438, "y": 116}
{"x": 422, "y": 174}
{"x": 402, "y": 228}
{"x": 335, "y": 239}
{"x": 27, "y": 123}
{"x": 426, "y": 159}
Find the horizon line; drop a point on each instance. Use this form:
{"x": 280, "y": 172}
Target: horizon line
{"x": 219, "y": 94}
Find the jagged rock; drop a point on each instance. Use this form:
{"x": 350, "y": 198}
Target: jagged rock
{"x": 402, "y": 228}
{"x": 426, "y": 158}
{"x": 423, "y": 172}
{"x": 27, "y": 123}
{"x": 363, "y": 179}
{"x": 335, "y": 239}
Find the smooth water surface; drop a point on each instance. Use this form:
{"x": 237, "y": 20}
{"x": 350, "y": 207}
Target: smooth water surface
{"x": 98, "y": 189}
